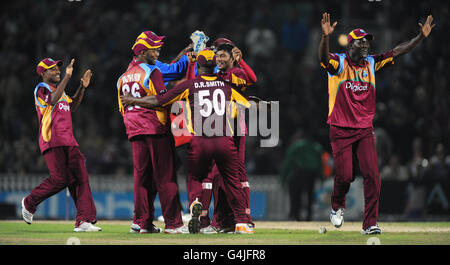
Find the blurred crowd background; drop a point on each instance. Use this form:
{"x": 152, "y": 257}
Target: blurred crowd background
{"x": 279, "y": 40}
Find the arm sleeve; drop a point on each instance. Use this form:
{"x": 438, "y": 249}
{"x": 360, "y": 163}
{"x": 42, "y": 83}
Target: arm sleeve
{"x": 241, "y": 100}
{"x": 250, "y": 74}
{"x": 190, "y": 73}
{"x": 177, "y": 93}
{"x": 333, "y": 65}
{"x": 239, "y": 79}
{"x": 383, "y": 60}
{"x": 43, "y": 96}
{"x": 173, "y": 71}
{"x": 157, "y": 79}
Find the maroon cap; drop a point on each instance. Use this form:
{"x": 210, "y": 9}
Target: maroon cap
{"x": 151, "y": 35}
{"x": 47, "y": 63}
{"x": 206, "y": 58}
{"x": 357, "y": 34}
{"x": 220, "y": 41}
{"x": 145, "y": 44}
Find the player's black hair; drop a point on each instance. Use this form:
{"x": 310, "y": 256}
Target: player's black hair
{"x": 226, "y": 47}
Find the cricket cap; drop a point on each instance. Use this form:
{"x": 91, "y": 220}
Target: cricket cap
{"x": 47, "y": 63}
{"x": 151, "y": 35}
{"x": 145, "y": 44}
{"x": 206, "y": 58}
{"x": 357, "y": 34}
{"x": 220, "y": 41}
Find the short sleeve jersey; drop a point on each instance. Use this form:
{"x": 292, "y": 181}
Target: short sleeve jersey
{"x": 209, "y": 99}
{"x": 351, "y": 89}
{"x": 55, "y": 122}
{"x": 140, "y": 80}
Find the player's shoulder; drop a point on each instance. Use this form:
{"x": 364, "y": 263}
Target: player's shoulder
{"x": 42, "y": 86}
{"x": 237, "y": 71}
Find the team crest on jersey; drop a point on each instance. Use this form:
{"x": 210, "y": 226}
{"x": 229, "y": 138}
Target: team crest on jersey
{"x": 364, "y": 74}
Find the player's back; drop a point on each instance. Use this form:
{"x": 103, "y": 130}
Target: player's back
{"x": 209, "y": 99}
{"x": 211, "y": 102}
{"x": 138, "y": 120}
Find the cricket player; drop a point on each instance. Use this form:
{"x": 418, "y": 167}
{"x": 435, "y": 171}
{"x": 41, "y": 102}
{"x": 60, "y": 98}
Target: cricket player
{"x": 174, "y": 71}
{"x": 351, "y": 89}
{"x": 232, "y": 68}
{"x": 208, "y": 96}
{"x": 152, "y": 144}
{"x": 57, "y": 144}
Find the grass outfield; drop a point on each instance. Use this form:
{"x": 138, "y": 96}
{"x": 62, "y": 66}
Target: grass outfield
{"x": 266, "y": 233}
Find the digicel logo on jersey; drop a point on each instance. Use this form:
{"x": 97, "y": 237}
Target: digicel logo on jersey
{"x": 357, "y": 86}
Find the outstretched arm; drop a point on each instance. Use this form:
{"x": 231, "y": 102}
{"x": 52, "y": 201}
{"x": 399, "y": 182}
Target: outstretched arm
{"x": 78, "y": 97}
{"x": 327, "y": 29}
{"x": 146, "y": 102}
{"x": 425, "y": 31}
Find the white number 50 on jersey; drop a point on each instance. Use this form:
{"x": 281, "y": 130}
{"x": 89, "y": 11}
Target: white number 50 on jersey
{"x": 218, "y": 102}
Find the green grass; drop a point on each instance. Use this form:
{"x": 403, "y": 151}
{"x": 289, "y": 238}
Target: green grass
{"x": 116, "y": 233}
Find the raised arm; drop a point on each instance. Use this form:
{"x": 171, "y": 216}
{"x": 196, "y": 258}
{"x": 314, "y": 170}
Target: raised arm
{"x": 327, "y": 29}
{"x": 79, "y": 94}
{"x": 237, "y": 55}
{"x": 56, "y": 95}
{"x": 190, "y": 73}
{"x": 425, "y": 31}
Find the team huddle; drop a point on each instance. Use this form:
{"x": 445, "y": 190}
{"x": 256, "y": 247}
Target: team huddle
{"x": 208, "y": 104}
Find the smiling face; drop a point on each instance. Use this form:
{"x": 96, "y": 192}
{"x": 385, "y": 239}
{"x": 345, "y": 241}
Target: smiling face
{"x": 52, "y": 75}
{"x": 224, "y": 60}
{"x": 359, "y": 49}
{"x": 150, "y": 56}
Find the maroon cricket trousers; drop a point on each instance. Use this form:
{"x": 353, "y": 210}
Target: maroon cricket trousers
{"x": 348, "y": 144}
{"x": 67, "y": 168}
{"x": 223, "y": 216}
{"x": 202, "y": 151}
{"x": 153, "y": 159}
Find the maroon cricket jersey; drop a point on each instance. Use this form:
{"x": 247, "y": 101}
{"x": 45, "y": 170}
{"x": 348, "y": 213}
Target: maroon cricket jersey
{"x": 237, "y": 77}
{"x": 240, "y": 80}
{"x": 209, "y": 98}
{"x": 55, "y": 122}
{"x": 140, "y": 80}
{"x": 351, "y": 89}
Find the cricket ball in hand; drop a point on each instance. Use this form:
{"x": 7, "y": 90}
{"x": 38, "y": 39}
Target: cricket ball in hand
{"x": 322, "y": 230}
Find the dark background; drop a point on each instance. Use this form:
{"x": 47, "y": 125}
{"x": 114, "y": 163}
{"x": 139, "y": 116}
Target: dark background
{"x": 412, "y": 121}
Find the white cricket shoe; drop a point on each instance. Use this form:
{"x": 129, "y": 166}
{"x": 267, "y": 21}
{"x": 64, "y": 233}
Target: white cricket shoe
{"x": 180, "y": 230}
{"x": 87, "y": 227}
{"x": 135, "y": 228}
{"x": 26, "y": 215}
{"x": 373, "y": 230}
{"x": 184, "y": 216}
{"x": 208, "y": 230}
{"x": 337, "y": 217}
